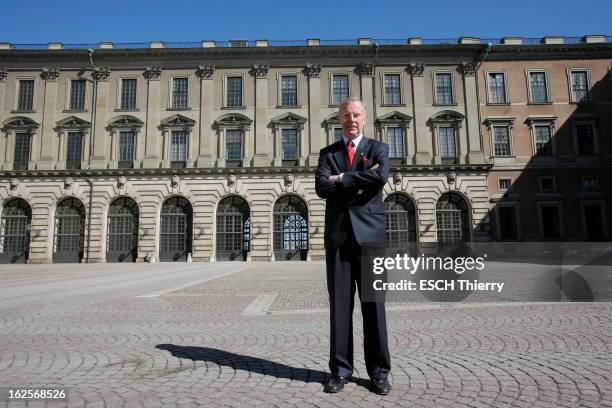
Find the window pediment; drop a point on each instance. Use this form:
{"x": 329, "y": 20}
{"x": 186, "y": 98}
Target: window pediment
{"x": 125, "y": 121}
{"x": 447, "y": 116}
{"x": 394, "y": 117}
{"x": 177, "y": 121}
{"x": 72, "y": 122}
{"x": 233, "y": 120}
{"x": 331, "y": 119}
{"x": 288, "y": 119}
{"x": 20, "y": 123}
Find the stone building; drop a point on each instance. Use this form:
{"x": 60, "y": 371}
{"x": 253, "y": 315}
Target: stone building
{"x": 206, "y": 151}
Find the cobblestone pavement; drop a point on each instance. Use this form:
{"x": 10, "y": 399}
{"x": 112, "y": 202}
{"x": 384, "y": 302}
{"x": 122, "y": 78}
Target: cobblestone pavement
{"x": 256, "y": 334}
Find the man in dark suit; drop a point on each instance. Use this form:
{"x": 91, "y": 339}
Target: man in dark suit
{"x": 350, "y": 176}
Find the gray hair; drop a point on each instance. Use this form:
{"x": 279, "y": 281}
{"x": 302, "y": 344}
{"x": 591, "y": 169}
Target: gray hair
{"x": 351, "y": 100}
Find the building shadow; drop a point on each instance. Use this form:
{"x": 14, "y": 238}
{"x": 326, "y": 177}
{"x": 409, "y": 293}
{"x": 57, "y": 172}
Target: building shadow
{"x": 251, "y": 364}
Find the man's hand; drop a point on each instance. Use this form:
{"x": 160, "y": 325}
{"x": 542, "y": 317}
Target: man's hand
{"x": 335, "y": 178}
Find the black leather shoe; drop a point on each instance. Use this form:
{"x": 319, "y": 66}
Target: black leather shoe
{"x": 381, "y": 386}
{"x": 335, "y": 384}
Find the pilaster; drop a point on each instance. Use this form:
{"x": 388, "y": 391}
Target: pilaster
{"x": 206, "y": 157}
{"x": 261, "y": 156}
{"x": 151, "y": 137}
{"x": 472, "y": 128}
{"x": 315, "y": 135}
{"x": 45, "y": 159}
{"x": 99, "y": 136}
{"x": 366, "y": 82}
{"x": 422, "y": 135}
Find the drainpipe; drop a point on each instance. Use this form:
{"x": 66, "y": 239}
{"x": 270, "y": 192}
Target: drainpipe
{"x": 90, "y": 182}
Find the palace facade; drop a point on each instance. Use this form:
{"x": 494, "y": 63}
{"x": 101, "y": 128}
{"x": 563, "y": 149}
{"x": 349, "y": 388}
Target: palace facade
{"x": 206, "y": 151}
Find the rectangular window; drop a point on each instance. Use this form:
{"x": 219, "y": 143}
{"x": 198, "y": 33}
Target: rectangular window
{"x": 25, "y": 101}
{"x": 337, "y": 134}
{"x": 128, "y": 94}
{"x": 579, "y": 83}
{"x": 448, "y": 147}
{"x": 178, "y": 146}
{"x": 543, "y": 141}
{"x": 395, "y": 140}
{"x": 590, "y": 183}
{"x": 392, "y": 89}
{"x": 507, "y": 223}
{"x": 22, "y": 151}
{"x": 537, "y": 83}
{"x": 290, "y": 144}
{"x": 444, "y": 88}
{"x": 497, "y": 88}
{"x": 585, "y": 139}
{"x": 340, "y": 89}
{"x": 180, "y": 93}
{"x": 289, "y": 90}
{"x": 501, "y": 141}
{"x": 234, "y": 91}
{"x": 593, "y": 222}
{"x": 550, "y": 220}
{"x": 234, "y": 144}
{"x": 126, "y": 149}
{"x": 77, "y": 94}
{"x": 547, "y": 184}
{"x": 504, "y": 184}
{"x": 74, "y": 150}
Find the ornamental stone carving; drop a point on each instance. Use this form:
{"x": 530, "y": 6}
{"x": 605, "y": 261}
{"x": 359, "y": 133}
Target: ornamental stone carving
{"x": 312, "y": 70}
{"x": 365, "y": 70}
{"x": 416, "y": 68}
{"x": 468, "y": 68}
{"x": 50, "y": 73}
{"x": 3, "y": 73}
{"x": 260, "y": 71}
{"x": 205, "y": 71}
{"x": 231, "y": 180}
{"x": 14, "y": 183}
{"x": 288, "y": 179}
{"x": 152, "y": 73}
{"x": 121, "y": 181}
{"x": 68, "y": 182}
{"x": 397, "y": 178}
{"x": 101, "y": 73}
{"x": 175, "y": 181}
{"x": 451, "y": 178}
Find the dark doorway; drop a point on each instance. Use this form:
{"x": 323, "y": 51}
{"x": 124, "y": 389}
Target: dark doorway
{"x": 233, "y": 229}
{"x": 290, "y": 229}
{"x": 122, "y": 236}
{"x": 175, "y": 230}
{"x": 69, "y": 232}
{"x": 15, "y": 226}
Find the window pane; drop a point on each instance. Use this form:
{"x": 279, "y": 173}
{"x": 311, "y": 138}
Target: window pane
{"x": 497, "y": 90}
{"x": 128, "y": 94}
{"x": 289, "y": 90}
{"x": 77, "y": 94}
{"x": 22, "y": 151}
{"x": 538, "y": 87}
{"x": 26, "y": 95}
{"x": 395, "y": 140}
{"x": 444, "y": 90}
{"x": 579, "y": 86}
{"x": 340, "y": 92}
{"x": 126, "y": 146}
{"x": 178, "y": 147}
{"x": 234, "y": 144}
{"x": 501, "y": 141}
{"x": 392, "y": 89}
{"x": 543, "y": 142}
{"x": 180, "y": 92}
{"x": 234, "y": 91}
{"x": 586, "y": 142}
{"x": 75, "y": 147}
{"x": 290, "y": 144}
{"x": 448, "y": 149}
{"x": 337, "y": 134}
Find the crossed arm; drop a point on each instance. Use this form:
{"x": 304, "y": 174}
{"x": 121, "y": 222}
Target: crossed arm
{"x": 329, "y": 185}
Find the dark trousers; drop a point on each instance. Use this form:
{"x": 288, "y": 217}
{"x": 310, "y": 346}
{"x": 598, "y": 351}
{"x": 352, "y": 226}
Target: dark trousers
{"x": 343, "y": 276}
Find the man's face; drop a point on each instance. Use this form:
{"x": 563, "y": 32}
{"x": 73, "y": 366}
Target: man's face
{"x": 352, "y": 119}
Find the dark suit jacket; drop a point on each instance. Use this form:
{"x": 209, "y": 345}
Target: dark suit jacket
{"x": 344, "y": 207}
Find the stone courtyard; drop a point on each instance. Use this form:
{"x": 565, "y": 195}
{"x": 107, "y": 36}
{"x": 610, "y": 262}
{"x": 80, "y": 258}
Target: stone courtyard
{"x": 257, "y": 334}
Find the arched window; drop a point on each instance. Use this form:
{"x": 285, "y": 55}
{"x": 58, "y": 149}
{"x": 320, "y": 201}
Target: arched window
{"x": 122, "y": 235}
{"x": 15, "y": 226}
{"x": 69, "y": 233}
{"x": 400, "y": 221}
{"x": 175, "y": 232}
{"x": 452, "y": 219}
{"x": 233, "y": 229}
{"x": 290, "y": 229}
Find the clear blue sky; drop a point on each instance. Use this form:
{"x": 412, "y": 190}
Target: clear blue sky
{"x": 179, "y": 20}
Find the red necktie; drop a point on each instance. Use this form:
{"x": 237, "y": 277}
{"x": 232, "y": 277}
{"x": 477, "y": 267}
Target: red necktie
{"x": 350, "y": 153}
